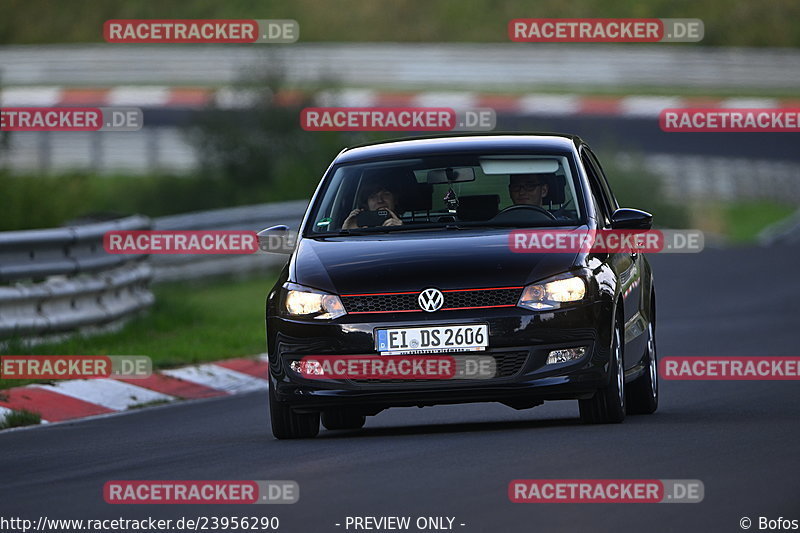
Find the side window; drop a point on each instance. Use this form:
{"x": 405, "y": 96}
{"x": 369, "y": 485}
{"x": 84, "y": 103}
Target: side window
{"x": 603, "y": 181}
{"x": 598, "y": 197}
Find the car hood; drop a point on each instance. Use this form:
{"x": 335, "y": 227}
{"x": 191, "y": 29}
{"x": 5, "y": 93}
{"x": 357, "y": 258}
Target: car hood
{"x": 457, "y": 259}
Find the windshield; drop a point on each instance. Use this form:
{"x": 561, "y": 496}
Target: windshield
{"x": 448, "y": 192}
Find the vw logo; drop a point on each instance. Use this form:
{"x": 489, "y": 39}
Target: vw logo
{"x": 430, "y": 300}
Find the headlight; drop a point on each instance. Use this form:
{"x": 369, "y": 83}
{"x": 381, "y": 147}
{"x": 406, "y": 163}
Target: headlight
{"x": 309, "y": 303}
{"x": 551, "y": 294}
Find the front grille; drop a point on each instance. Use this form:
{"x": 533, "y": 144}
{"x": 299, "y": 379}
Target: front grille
{"x": 453, "y": 299}
{"x": 380, "y": 303}
{"x": 508, "y": 364}
{"x": 490, "y": 298}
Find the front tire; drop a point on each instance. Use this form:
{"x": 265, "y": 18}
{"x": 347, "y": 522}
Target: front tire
{"x": 643, "y": 393}
{"x": 286, "y": 424}
{"x": 607, "y": 406}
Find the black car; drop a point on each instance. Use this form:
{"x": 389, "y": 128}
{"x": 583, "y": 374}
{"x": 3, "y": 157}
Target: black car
{"x": 408, "y": 240}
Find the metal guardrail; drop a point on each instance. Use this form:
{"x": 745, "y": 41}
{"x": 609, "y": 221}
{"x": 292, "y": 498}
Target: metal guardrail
{"x": 406, "y": 65}
{"x": 64, "y": 305}
{"x": 37, "y": 254}
{"x": 61, "y": 280}
{"x": 250, "y": 217}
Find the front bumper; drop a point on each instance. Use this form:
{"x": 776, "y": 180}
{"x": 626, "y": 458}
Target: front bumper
{"x": 519, "y": 340}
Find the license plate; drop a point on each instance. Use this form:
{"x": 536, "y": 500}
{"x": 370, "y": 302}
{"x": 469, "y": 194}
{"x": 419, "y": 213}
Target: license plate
{"x": 438, "y": 339}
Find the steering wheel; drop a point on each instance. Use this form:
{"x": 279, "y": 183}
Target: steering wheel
{"x": 520, "y": 209}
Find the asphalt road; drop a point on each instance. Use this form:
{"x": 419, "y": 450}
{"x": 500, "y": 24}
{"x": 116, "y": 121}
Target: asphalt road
{"x": 739, "y": 438}
{"x": 643, "y": 135}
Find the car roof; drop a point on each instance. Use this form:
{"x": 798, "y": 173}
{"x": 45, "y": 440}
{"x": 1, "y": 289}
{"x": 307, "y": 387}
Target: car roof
{"x": 440, "y": 144}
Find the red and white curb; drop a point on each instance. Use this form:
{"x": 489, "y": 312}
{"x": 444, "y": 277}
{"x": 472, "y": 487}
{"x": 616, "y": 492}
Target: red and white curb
{"x": 229, "y": 98}
{"x": 80, "y": 398}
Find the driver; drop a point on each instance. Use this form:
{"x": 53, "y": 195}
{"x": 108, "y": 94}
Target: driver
{"x": 374, "y": 197}
{"x": 527, "y": 189}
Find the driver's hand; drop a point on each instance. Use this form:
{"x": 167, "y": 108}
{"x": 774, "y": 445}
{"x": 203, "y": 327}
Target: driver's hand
{"x": 350, "y": 221}
{"x": 392, "y": 220}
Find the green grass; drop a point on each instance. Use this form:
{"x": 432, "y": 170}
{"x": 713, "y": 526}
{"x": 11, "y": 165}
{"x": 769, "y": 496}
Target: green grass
{"x": 29, "y": 202}
{"x": 20, "y": 418}
{"x": 727, "y": 23}
{"x": 189, "y": 323}
{"x": 8, "y": 383}
{"x": 745, "y": 220}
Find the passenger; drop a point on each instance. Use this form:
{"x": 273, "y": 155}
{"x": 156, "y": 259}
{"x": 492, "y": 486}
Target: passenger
{"x": 375, "y": 197}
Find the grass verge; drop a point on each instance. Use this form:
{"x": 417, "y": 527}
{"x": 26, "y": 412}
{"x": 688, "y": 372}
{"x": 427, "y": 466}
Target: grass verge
{"x": 20, "y": 418}
{"x": 745, "y": 220}
{"x": 29, "y": 201}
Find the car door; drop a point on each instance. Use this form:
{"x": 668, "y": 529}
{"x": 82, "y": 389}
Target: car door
{"x": 627, "y": 266}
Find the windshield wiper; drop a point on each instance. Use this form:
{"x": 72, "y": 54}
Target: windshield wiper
{"x": 522, "y": 225}
{"x": 340, "y": 233}
{"x": 450, "y": 226}
{"x": 354, "y": 231}
{"x": 378, "y": 230}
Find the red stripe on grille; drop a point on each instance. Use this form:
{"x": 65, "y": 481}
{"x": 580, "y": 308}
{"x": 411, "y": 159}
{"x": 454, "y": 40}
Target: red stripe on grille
{"x": 374, "y": 312}
{"x": 378, "y": 294}
{"x": 478, "y": 307}
{"x": 417, "y": 292}
{"x": 421, "y": 310}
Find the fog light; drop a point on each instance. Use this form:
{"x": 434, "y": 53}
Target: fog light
{"x": 307, "y": 368}
{"x": 564, "y": 355}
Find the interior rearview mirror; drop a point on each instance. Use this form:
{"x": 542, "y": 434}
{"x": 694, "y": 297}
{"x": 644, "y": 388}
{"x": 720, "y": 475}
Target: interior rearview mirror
{"x": 451, "y": 175}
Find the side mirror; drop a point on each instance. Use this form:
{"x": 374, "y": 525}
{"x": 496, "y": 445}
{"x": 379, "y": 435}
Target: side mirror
{"x": 631, "y": 219}
{"x": 277, "y": 239}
